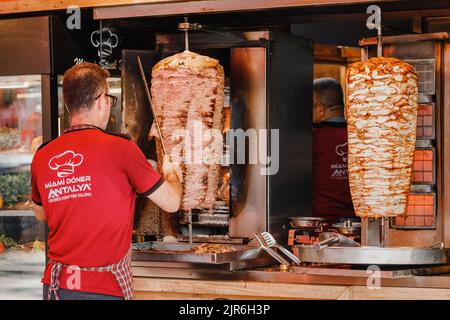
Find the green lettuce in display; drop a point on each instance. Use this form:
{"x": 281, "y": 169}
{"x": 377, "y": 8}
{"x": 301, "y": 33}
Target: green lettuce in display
{"x": 9, "y": 138}
{"x": 7, "y": 241}
{"x": 14, "y": 187}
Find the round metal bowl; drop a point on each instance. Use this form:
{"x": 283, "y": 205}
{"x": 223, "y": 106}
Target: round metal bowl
{"x": 305, "y": 222}
{"x": 348, "y": 229}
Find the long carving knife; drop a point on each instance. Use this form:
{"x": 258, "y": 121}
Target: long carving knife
{"x": 150, "y": 101}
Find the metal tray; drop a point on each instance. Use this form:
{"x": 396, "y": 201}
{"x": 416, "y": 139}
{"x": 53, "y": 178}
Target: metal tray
{"x": 373, "y": 255}
{"x": 178, "y": 252}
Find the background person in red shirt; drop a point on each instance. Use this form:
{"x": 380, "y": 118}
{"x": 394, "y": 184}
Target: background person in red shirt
{"x": 331, "y": 191}
{"x": 84, "y": 184}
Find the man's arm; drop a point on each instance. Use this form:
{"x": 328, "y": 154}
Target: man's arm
{"x": 39, "y": 213}
{"x": 168, "y": 195}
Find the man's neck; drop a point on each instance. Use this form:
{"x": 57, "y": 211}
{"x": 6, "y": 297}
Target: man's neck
{"x": 79, "y": 119}
{"x": 335, "y": 114}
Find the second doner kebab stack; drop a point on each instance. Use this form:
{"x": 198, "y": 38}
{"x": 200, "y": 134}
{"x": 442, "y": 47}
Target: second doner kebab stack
{"x": 188, "y": 97}
{"x": 381, "y": 102}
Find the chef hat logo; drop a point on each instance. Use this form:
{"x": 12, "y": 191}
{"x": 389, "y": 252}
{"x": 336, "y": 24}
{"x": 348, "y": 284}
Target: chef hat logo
{"x": 105, "y": 40}
{"x": 342, "y": 151}
{"x": 65, "y": 163}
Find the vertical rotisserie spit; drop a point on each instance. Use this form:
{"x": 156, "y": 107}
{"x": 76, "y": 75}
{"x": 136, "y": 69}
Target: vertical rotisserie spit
{"x": 188, "y": 95}
{"x": 381, "y": 106}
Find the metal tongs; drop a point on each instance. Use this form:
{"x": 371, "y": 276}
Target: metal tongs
{"x": 270, "y": 251}
{"x": 271, "y": 242}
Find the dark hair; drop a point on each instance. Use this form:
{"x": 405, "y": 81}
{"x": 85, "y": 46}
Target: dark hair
{"x": 82, "y": 84}
{"x": 329, "y": 92}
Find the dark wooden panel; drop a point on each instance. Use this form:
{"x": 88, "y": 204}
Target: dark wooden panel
{"x": 136, "y": 113}
{"x": 290, "y": 111}
{"x": 24, "y": 46}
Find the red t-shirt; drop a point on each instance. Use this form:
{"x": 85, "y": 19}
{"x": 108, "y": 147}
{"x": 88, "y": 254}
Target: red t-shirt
{"x": 331, "y": 190}
{"x": 87, "y": 180}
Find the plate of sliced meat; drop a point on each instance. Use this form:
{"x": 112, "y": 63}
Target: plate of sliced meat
{"x": 209, "y": 253}
{"x": 213, "y": 248}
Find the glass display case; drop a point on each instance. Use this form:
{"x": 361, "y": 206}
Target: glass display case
{"x": 22, "y": 250}
{"x": 20, "y": 136}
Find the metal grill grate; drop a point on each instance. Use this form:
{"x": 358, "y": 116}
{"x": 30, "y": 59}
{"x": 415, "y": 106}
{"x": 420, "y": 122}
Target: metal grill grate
{"x": 420, "y": 213}
{"x": 423, "y": 166}
{"x": 425, "y": 69}
{"x": 425, "y": 121}
{"x": 421, "y": 207}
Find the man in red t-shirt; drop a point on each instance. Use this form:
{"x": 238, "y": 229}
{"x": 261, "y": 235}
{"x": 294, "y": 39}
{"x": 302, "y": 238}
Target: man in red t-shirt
{"x": 84, "y": 184}
{"x": 331, "y": 191}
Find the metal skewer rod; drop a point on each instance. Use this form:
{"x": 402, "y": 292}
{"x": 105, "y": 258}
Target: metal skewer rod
{"x": 379, "y": 43}
{"x": 379, "y": 28}
{"x": 185, "y": 26}
{"x": 186, "y": 36}
{"x": 374, "y": 22}
{"x": 190, "y": 227}
{"x": 150, "y": 101}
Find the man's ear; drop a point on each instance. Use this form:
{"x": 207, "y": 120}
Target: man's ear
{"x": 321, "y": 108}
{"x": 98, "y": 103}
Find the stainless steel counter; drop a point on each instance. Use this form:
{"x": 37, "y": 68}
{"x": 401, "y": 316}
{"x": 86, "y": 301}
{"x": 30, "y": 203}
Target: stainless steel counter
{"x": 299, "y": 275}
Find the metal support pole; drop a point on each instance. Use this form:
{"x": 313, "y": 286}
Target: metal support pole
{"x": 190, "y": 227}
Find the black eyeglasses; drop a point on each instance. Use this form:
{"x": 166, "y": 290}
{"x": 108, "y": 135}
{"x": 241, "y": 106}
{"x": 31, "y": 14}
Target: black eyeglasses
{"x": 112, "y": 98}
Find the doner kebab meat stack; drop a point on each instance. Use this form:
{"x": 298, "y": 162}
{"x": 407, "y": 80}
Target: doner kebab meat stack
{"x": 381, "y": 107}
{"x": 188, "y": 97}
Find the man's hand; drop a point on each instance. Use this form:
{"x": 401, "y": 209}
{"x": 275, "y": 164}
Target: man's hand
{"x": 171, "y": 170}
{"x": 39, "y": 213}
{"x": 168, "y": 195}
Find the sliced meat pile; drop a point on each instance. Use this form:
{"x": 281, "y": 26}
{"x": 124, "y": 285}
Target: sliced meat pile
{"x": 188, "y": 95}
{"x": 381, "y": 102}
{"x": 213, "y": 248}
